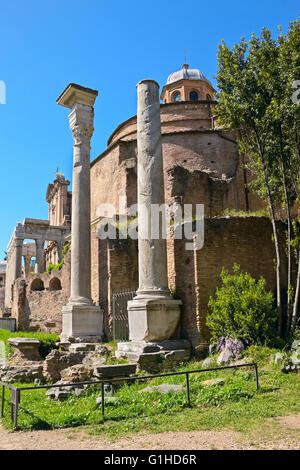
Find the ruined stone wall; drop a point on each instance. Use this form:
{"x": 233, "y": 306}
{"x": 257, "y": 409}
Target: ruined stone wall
{"x": 196, "y": 187}
{"x": 243, "y": 240}
{"x": 38, "y": 299}
{"x": 193, "y": 274}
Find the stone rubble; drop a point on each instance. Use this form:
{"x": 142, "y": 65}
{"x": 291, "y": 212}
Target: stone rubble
{"x": 208, "y": 363}
{"x": 26, "y": 373}
{"x": 211, "y": 382}
{"x": 225, "y": 357}
{"x": 151, "y": 357}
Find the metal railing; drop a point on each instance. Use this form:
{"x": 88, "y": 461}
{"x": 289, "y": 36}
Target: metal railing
{"x": 16, "y": 391}
{"x": 120, "y": 314}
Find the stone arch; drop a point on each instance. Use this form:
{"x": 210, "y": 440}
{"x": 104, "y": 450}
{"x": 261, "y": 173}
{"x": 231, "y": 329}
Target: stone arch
{"x": 37, "y": 285}
{"x": 54, "y": 284}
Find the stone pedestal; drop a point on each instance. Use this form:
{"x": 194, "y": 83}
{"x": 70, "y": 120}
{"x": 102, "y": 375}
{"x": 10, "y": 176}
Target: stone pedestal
{"x": 82, "y": 322}
{"x": 151, "y": 356}
{"x": 155, "y": 319}
{"x": 25, "y": 349}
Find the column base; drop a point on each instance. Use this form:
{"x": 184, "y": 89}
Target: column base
{"x": 82, "y": 323}
{"x": 153, "y": 319}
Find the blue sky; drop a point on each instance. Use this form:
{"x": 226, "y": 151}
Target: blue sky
{"x": 108, "y": 46}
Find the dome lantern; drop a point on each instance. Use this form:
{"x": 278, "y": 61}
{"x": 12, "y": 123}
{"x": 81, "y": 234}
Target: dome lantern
{"x": 187, "y": 85}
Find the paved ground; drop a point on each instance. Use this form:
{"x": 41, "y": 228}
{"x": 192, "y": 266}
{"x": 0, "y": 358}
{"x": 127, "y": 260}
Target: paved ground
{"x": 281, "y": 433}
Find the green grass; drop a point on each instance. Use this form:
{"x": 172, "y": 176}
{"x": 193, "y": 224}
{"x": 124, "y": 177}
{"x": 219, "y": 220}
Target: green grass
{"x": 47, "y": 340}
{"x": 235, "y": 405}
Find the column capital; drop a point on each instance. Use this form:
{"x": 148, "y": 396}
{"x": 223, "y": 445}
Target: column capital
{"x": 82, "y": 134}
{"x": 77, "y": 94}
{"x": 18, "y": 242}
{"x": 81, "y": 120}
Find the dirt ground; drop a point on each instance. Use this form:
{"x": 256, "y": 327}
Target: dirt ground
{"x": 279, "y": 433}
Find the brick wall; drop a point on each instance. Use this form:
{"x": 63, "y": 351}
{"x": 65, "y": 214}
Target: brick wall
{"x": 246, "y": 241}
{"x": 195, "y": 274}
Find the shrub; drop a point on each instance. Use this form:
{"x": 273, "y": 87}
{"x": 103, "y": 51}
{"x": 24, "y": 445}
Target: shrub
{"x": 47, "y": 340}
{"x": 242, "y": 309}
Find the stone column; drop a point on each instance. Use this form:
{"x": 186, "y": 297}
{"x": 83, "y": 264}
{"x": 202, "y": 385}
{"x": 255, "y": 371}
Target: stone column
{"x": 40, "y": 266}
{"x": 80, "y": 317}
{"x": 27, "y": 263}
{"x": 8, "y": 282}
{"x": 153, "y": 276}
{"x": 17, "y": 259}
{"x": 153, "y": 315}
{"x": 13, "y": 270}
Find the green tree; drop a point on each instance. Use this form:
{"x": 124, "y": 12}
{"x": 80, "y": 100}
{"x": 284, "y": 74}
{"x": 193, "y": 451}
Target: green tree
{"x": 255, "y": 82}
{"x": 242, "y": 308}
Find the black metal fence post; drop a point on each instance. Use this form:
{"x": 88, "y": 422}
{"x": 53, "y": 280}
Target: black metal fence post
{"x": 188, "y": 389}
{"x": 102, "y": 399}
{"x": 256, "y": 376}
{"x": 17, "y": 401}
{"x": 2, "y": 400}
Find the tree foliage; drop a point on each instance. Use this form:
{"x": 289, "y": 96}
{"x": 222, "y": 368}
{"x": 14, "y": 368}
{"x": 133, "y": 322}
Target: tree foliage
{"x": 256, "y": 82}
{"x": 242, "y": 308}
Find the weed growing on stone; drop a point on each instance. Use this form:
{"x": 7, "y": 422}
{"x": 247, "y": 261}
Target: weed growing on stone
{"x": 235, "y": 404}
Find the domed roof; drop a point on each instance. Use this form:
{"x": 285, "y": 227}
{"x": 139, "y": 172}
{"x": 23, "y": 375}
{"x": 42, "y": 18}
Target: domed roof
{"x": 187, "y": 74}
